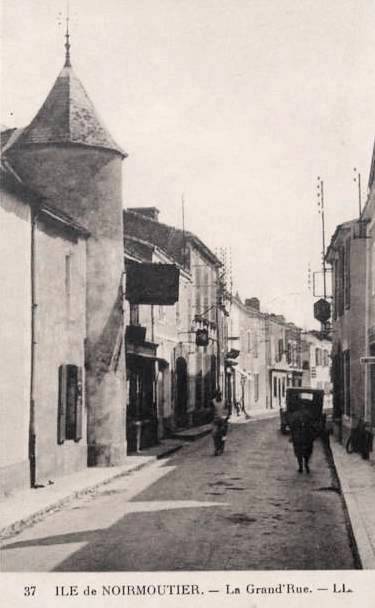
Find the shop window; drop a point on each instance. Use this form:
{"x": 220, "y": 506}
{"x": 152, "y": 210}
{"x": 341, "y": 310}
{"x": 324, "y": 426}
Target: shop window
{"x": 347, "y": 384}
{"x": 256, "y": 387}
{"x": 70, "y": 403}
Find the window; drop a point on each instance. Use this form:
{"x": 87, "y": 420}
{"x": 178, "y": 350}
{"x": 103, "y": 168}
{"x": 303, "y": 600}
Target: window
{"x": 347, "y": 384}
{"x": 341, "y": 282}
{"x": 347, "y": 274}
{"x": 318, "y": 356}
{"x": 70, "y": 403}
{"x": 256, "y": 387}
{"x": 255, "y": 345}
{"x": 248, "y": 342}
{"x": 68, "y": 283}
{"x": 178, "y": 317}
{"x": 134, "y": 314}
{"x": 281, "y": 348}
{"x": 289, "y": 353}
{"x": 335, "y": 289}
{"x": 274, "y": 386}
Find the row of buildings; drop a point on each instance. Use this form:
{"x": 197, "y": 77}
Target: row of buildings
{"x": 101, "y": 306}
{"x": 351, "y": 254}
{"x": 274, "y": 354}
{"x": 116, "y": 328}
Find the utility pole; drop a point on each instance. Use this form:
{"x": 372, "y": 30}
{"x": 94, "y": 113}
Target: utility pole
{"x": 357, "y": 178}
{"x": 183, "y": 230}
{"x": 320, "y": 196}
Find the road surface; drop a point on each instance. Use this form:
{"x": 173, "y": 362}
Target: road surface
{"x": 246, "y": 510}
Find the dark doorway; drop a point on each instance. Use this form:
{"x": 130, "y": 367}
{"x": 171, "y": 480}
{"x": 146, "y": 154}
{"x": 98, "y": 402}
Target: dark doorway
{"x": 181, "y": 392}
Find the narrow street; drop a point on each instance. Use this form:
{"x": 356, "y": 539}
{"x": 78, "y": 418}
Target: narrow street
{"x": 246, "y": 510}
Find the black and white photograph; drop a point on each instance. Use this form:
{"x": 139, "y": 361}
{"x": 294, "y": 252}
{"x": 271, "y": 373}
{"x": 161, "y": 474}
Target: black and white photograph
{"x": 187, "y": 310}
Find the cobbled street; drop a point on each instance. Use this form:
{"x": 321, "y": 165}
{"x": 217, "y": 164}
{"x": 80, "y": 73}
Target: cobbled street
{"x": 246, "y": 510}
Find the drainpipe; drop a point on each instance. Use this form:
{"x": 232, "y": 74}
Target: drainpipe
{"x": 218, "y": 358}
{"x": 32, "y": 429}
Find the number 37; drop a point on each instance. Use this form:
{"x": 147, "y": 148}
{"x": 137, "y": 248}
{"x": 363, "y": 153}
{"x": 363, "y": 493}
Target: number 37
{"x": 29, "y": 591}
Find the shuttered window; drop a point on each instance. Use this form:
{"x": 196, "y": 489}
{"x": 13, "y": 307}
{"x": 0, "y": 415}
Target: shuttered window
{"x": 256, "y": 387}
{"x": 347, "y": 383}
{"x": 347, "y": 274}
{"x": 69, "y": 423}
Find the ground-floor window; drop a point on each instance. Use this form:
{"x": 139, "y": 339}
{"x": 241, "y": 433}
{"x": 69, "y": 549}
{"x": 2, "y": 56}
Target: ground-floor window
{"x": 347, "y": 387}
{"x": 256, "y": 387}
{"x": 70, "y": 403}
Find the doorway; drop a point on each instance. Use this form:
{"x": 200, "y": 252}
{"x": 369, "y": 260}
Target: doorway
{"x": 181, "y": 391}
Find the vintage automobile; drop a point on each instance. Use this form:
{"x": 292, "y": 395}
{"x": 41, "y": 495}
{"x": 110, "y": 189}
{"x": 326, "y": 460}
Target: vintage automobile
{"x": 307, "y": 400}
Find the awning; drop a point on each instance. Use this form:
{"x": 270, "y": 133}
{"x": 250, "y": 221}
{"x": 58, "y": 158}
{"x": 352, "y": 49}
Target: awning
{"x": 147, "y": 350}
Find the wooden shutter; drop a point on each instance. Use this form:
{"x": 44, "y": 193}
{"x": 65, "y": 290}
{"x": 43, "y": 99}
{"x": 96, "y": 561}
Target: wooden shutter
{"x": 61, "y": 414}
{"x": 347, "y": 274}
{"x": 78, "y": 406}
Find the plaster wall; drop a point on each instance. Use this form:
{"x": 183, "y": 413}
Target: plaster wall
{"x": 15, "y": 341}
{"x": 86, "y": 183}
{"x": 60, "y": 331}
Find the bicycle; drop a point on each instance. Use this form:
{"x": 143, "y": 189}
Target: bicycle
{"x": 360, "y": 440}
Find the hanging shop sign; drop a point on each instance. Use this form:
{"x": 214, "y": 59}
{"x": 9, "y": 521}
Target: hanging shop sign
{"x": 322, "y": 310}
{"x": 201, "y": 337}
{"x": 149, "y": 284}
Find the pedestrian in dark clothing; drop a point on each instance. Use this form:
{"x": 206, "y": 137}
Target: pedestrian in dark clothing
{"x": 303, "y": 434}
{"x": 221, "y": 414}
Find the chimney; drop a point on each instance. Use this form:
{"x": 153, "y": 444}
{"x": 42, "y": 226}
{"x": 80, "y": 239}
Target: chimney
{"x": 150, "y": 212}
{"x": 253, "y": 303}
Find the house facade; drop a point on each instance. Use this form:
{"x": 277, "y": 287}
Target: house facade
{"x": 65, "y": 208}
{"x": 316, "y": 363}
{"x": 283, "y": 358}
{"x": 367, "y": 226}
{"x": 68, "y": 156}
{"x": 43, "y": 416}
{"x": 347, "y": 255}
{"x": 157, "y": 382}
{"x": 247, "y": 333}
{"x": 197, "y": 368}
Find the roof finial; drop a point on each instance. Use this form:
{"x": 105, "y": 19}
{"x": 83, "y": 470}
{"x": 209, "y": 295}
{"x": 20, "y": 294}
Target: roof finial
{"x": 67, "y": 39}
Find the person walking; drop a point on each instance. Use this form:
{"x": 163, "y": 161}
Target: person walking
{"x": 302, "y": 437}
{"x": 221, "y": 414}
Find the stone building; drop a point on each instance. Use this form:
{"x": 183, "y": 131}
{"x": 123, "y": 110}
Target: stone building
{"x": 347, "y": 255}
{"x": 283, "y": 358}
{"x": 156, "y": 394}
{"x": 43, "y": 311}
{"x": 316, "y": 362}
{"x": 70, "y": 160}
{"x": 249, "y": 378}
{"x": 199, "y": 369}
{"x": 367, "y": 227}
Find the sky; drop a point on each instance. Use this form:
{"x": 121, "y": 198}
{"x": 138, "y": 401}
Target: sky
{"x": 238, "y": 105}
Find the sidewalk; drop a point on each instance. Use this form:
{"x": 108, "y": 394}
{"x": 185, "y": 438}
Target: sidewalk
{"x": 28, "y": 506}
{"x": 357, "y": 480}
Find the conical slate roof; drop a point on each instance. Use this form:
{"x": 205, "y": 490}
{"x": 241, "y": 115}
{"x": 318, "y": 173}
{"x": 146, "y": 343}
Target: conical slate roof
{"x": 68, "y": 117}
